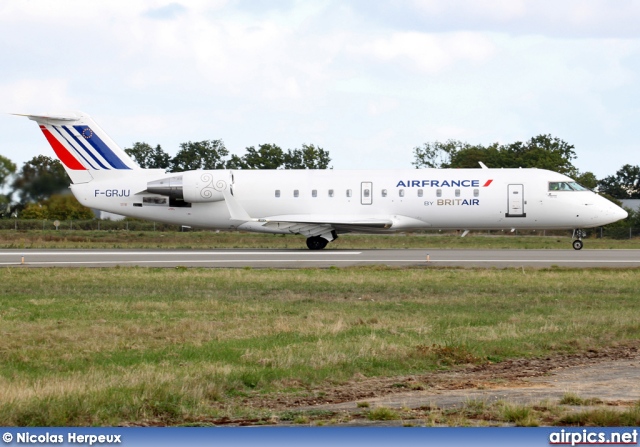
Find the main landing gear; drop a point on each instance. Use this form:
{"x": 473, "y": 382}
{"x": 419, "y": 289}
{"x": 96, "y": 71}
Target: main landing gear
{"x": 319, "y": 242}
{"x": 578, "y": 235}
{"x": 316, "y": 243}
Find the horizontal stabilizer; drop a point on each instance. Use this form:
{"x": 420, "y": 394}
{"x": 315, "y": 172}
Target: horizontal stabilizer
{"x": 51, "y": 117}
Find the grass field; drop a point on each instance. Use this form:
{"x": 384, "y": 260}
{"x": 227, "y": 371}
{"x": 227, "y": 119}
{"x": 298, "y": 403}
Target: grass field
{"x": 210, "y": 239}
{"x": 191, "y": 346}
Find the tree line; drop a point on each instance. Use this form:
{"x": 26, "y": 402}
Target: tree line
{"x": 212, "y": 154}
{"x": 542, "y": 152}
{"x": 35, "y": 190}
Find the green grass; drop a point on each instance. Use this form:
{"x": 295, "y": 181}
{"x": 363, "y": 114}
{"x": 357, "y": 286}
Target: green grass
{"x": 603, "y": 417}
{"x": 383, "y": 414}
{"x": 574, "y": 399}
{"x": 181, "y": 346}
{"x": 211, "y": 239}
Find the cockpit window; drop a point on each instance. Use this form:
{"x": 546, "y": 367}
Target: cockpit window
{"x": 566, "y": 186}
{"x": 577, "y": 186}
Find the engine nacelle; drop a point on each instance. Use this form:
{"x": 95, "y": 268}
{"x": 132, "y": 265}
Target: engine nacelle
{"x": 192, "y": 186}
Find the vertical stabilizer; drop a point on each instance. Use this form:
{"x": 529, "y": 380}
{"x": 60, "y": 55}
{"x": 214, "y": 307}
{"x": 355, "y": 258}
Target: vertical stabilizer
{"x": 84, "y": 149}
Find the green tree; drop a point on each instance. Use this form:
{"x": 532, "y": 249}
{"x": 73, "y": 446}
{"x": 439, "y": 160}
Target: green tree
{"x": 271, "y": 156}
{"x": 7, "y": 169}
{"x": 267, "y": 156}
{"x": 543, "y": 151}
{"x": 235, "y": 162}
{"x": 34, "y": 211}
{"x": 58, "y": 206}
{"x": 5, "y": 205}
{"x": 625, "y": 184}
{"x": 208, "y": 154}
{"x": 436, "y": 154}
{"x": 471, "y": 156}
{"x": 148, "y": 157}
{"x": 39, "y": 178}
{"x": 308, "y": 157}
{"x": 587, "y": 179}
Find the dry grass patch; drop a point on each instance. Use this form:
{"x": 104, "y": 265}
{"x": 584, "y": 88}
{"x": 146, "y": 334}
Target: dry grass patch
{"x": 202, "y": 340}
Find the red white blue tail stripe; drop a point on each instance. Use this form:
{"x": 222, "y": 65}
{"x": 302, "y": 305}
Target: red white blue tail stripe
{"x": 82, "y": 146}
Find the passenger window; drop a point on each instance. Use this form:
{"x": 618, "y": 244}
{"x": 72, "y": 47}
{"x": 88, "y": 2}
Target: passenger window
{"x": 277, "y": 193}
{"x": 348, "y": 193}
{"x": 296, "y": 193}
{"x": 314, "y": 193}
{"x": 457, "y": 193}
{"x": 438, "y": 193}
{"x": 384, "y": 193}
{"x": 476, "y": 192}
{"x": 420, "y": 193}
{"x": 331, "y": 193}
{"x": 401, "y": 193}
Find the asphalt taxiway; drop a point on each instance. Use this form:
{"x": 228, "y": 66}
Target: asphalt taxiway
{"x": 322, "y": 259}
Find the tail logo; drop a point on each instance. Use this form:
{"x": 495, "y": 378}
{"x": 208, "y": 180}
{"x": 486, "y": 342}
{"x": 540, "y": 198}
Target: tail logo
{"x": 78, "y": 147}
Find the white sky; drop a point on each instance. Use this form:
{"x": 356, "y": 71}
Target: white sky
{"x": 366, "y": 80}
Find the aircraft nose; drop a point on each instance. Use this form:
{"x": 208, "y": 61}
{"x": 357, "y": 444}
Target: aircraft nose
{"x": 609, "y": 212}
{"x": 620, "y": 213}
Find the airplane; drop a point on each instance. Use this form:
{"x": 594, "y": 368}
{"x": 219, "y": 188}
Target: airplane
{"x": 320, "y": 204}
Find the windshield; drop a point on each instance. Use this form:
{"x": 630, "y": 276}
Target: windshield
{"x": 566, "y": 186}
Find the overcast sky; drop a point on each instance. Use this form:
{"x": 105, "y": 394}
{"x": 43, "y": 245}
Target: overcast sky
{"x": 366, "y": 80}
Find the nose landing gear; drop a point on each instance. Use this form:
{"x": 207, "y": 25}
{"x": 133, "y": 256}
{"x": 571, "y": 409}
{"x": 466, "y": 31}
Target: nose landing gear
{"x": 578, "y": 234}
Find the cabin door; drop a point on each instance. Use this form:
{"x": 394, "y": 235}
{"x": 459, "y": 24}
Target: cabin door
{"x": 366, "y": 193}
{"x": 515, "y": 201}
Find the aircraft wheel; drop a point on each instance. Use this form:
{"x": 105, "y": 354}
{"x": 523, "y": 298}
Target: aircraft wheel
{"x": 577, "y": 244}
{"x": 316, "y": 243}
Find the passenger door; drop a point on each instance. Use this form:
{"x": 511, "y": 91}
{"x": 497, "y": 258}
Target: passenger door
{"x": 515, "y": 201}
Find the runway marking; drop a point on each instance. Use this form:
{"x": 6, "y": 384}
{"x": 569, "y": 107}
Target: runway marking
{"x": 181, "y": 253}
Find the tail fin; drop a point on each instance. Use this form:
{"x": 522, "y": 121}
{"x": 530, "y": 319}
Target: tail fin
{"x": 84, "y": 149}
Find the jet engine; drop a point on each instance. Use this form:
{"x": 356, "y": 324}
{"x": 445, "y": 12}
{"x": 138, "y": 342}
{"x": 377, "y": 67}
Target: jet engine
{"x": 192, "y": 186}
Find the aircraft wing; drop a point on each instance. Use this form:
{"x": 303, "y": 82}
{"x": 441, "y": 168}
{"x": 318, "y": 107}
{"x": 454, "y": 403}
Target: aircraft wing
{"x": 315, "y": 225}
{"x": 307, "y": 224}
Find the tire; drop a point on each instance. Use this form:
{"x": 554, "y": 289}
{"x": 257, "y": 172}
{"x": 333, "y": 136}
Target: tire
{"x": 316, "y": 243}
{"x": 577, "y": 244}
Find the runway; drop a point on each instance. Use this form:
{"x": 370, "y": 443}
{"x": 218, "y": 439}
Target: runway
{"x": 291, "y": 259}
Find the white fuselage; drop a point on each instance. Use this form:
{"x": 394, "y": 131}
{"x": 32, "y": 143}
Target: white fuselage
{"x": 412, "y": 199}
